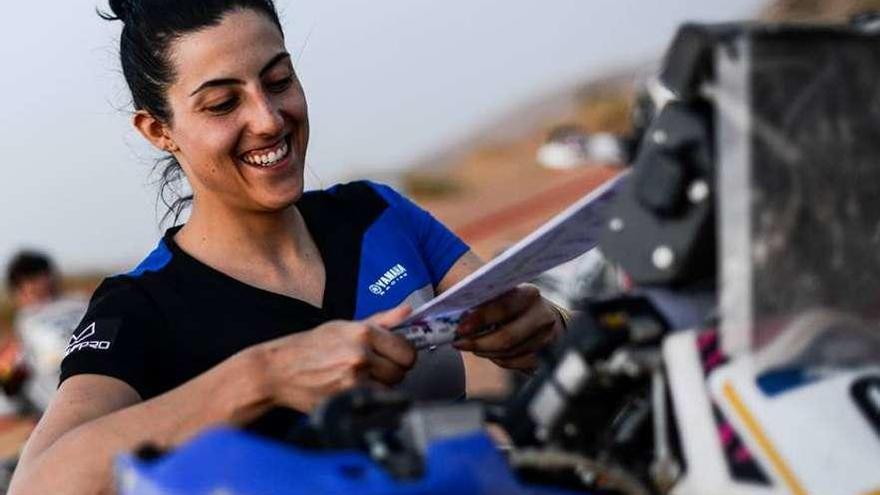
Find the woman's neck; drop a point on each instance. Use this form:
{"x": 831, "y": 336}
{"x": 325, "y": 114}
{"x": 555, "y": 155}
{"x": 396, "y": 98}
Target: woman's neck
{"x": 220, "y": 236}
{"x": 272, "y": 251}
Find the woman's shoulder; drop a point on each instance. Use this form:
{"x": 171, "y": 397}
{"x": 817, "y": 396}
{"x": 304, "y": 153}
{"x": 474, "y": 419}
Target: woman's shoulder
{"x": 133, "y": 290}
{"x": 359, "y": 192}
{"x": 361, "y": 199}
{"x": 121, "y": 294}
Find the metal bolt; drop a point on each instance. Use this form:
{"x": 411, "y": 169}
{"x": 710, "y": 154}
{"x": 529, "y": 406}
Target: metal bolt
{"x": 615, "y": 225}
{"x": 542, "y": 434}
{"x": 663, "y": 257}
{"x": 698, "y": 191}
{"x": 379, "y": 451}
{"x": 659, "y": 136}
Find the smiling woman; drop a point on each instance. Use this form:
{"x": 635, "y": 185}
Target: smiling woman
{"x": 244, "y": 315}
{"x": 201, "y": 107}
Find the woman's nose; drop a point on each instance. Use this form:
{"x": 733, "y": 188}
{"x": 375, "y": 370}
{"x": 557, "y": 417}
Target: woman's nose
{"x": 267, "y": 119}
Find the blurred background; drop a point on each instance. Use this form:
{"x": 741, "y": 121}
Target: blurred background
{"x": 492, "y": 114}
{"x": 395, "y": 88}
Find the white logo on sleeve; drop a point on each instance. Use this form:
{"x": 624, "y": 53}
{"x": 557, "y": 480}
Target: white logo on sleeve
{"x": 79, "y": 337}
{"x": 394, "y": 274}
{"x": 80, "y": 340}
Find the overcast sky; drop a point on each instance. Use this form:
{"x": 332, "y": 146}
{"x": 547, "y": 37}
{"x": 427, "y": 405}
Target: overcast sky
{"x": 387, "y": 81}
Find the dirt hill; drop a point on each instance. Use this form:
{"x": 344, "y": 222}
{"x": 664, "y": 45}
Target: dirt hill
{"x": 494, "y": 192}
{"x": 817, "y": 10}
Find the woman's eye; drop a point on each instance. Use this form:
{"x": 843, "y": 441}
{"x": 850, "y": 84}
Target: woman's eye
{"x": 280, "y": 85}
{"x": 224, "y": 107}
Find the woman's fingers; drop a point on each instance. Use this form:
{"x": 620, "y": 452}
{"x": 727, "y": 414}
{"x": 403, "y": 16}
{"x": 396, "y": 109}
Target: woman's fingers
{"x": 390, "y": 356}
{"x": 307, "y": 367}
{"x": 392, "y": 317}
{"x": 500, "y": 310}
{"x": 386, "y": 371}
{"x": 530, "y": 345}
{"x": 392, "y": 347}
{"x": 531, "y": 330}
{"x": 528, "y": 324}
{"x": 347, "y": 354}
{"x": 385, "y": 343}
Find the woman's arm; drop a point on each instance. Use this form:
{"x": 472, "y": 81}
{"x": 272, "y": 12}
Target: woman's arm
{"x": 468, "y": 263}
{"x": 93, "y": 418}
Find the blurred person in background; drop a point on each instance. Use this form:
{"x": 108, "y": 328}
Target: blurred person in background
{"x": 31, "y": 352}
{"x": 43, "y": 319}
{"x": 243, "y": 315}
{"x": 31, "y": 280}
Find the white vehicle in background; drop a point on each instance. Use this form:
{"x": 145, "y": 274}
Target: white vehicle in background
{"x": 569, "y": 146}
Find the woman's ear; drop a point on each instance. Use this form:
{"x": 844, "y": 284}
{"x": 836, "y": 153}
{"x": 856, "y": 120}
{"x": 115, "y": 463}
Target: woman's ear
{"x": 154, "y": 131}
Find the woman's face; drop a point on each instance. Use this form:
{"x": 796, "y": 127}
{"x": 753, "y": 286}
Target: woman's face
{"x": 240, "y": 121}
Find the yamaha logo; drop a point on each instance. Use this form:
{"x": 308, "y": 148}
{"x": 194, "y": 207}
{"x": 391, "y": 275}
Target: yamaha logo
{"x": 394, "y": 274}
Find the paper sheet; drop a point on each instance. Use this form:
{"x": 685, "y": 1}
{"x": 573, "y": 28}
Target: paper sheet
{"x": 564, "y": 237}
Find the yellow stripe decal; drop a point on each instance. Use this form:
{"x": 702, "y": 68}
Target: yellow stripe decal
{"x": 758, "y": 433}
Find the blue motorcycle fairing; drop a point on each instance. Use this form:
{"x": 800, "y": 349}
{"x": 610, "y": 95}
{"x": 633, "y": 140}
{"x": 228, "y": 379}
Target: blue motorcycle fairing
{"x": 231, "y": 462}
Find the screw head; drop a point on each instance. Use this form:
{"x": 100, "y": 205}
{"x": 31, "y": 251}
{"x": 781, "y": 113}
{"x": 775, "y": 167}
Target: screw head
{"x": 663, "y": 257}
{"x": 659, "y": 136}
{"x": 615, "y": 224}
{"x": 698, "y": 191}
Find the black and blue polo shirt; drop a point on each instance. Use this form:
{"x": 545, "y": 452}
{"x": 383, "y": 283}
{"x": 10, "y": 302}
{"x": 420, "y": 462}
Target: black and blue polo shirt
{"x": 173, "y": 317}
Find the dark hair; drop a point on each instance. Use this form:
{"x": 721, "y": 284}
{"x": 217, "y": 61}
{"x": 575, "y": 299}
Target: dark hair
{"x": 25, "y": 265}
{"x": 150, "y": 27}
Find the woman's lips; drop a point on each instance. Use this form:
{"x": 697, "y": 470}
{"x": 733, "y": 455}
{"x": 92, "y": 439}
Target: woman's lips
{"x": 268, "y": 157}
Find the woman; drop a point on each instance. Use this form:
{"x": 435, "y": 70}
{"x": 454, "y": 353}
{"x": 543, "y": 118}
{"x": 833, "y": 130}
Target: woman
{"x": 243, "y": 310}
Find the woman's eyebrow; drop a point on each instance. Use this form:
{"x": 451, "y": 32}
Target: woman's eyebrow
{"x": 213, "y": 83}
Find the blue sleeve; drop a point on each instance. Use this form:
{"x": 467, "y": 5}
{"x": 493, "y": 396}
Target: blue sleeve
{"x": 440, "y": 247}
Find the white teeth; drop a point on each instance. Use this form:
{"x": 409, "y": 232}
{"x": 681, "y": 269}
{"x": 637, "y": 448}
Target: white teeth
{"x": 270, "y": 158}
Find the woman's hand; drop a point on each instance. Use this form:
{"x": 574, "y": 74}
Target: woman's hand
{"x": 305, "y": 368}
{"x": 526, "y": 324}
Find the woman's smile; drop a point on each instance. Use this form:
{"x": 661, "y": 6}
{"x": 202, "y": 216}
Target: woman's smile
{"x": 276, "y": 156}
